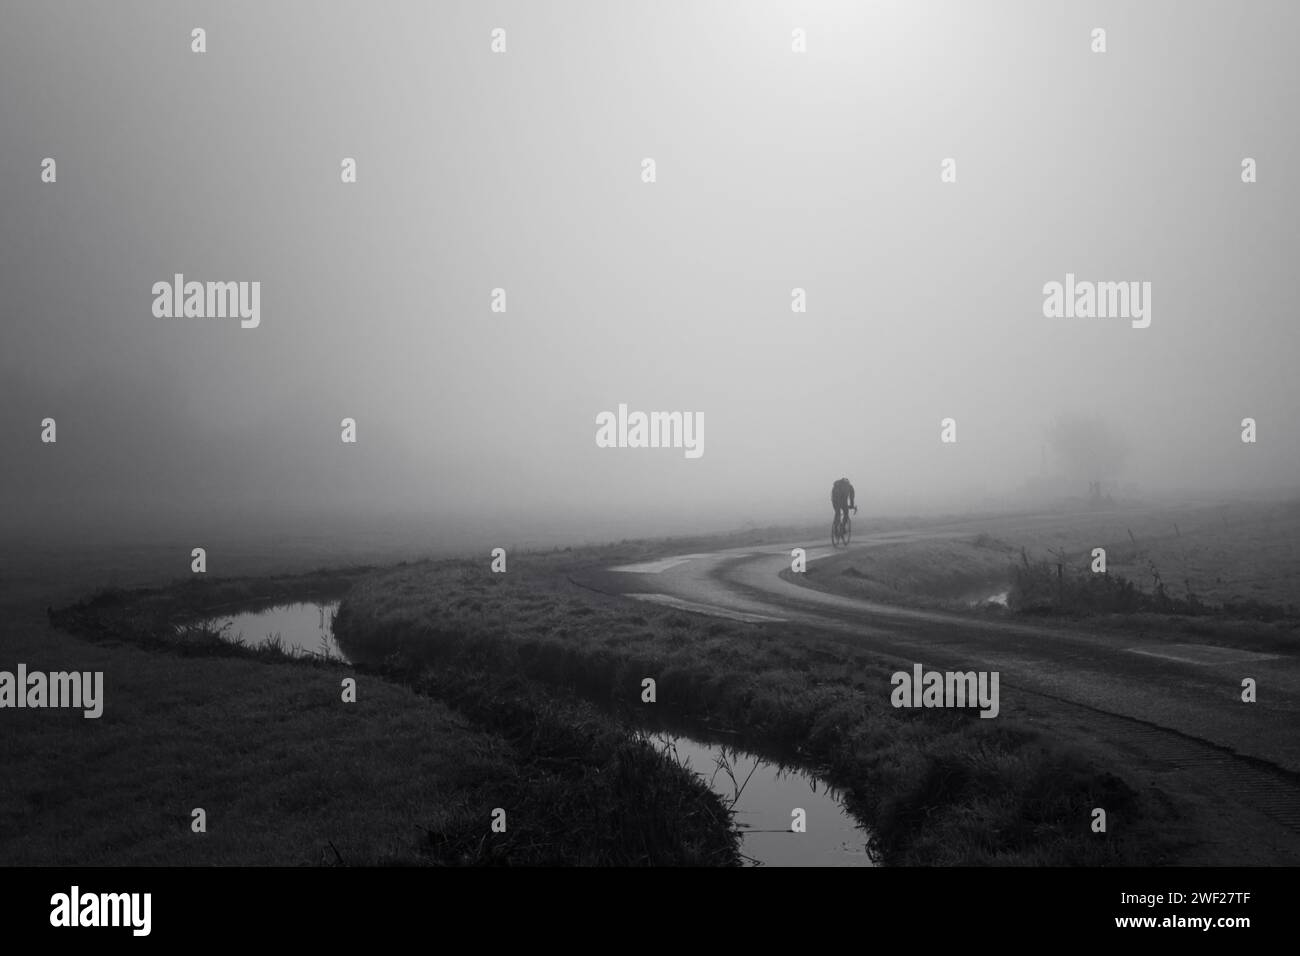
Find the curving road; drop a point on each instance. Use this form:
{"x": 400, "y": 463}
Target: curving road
{"x": 1162, "y": 698}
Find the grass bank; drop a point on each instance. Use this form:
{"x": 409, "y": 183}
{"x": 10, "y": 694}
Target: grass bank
{"x": 936, "y": 786}
{"x": 1223, "y": 574}
{"x": 929, "y": 573}
{"x": 286, "y": 774}
{"x": 413, "y": 772}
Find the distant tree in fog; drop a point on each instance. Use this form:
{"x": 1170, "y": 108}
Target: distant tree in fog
{"x": 1088, "y": 449}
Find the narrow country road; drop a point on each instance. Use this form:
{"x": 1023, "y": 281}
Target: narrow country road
{"x": 1163, "y": 697}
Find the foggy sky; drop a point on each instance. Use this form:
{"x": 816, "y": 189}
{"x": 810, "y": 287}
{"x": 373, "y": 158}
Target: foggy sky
{"x": 522, "y": 171}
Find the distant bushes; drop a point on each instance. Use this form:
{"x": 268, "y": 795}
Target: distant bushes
{"x": 1058, "y": 586}
{"x": 1046, "y": 587}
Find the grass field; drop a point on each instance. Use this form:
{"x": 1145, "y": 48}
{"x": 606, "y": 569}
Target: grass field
{"x": 289, "y": 774}
{"x": 524, "y": 691}
{"x": 286, "y": 774}
{"x": 1237, "y": 564}
{"x": 937, "y": 787}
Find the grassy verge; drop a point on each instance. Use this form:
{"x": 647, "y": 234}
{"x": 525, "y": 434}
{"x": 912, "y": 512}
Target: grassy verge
{"x": 1195, "y": 573}
{"x": 286, "y": 773}
{"x": 575, "y": 787}
{"x": 938, "y": 574}
{"x": 937, "y": 786}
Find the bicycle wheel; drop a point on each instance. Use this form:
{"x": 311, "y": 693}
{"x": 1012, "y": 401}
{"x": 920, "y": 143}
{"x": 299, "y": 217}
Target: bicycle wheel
{"x": 847, "y": 531}
{"x": 837, "y": 534}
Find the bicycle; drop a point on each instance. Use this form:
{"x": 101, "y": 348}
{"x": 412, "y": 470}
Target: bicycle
{"x": 841, "y": 530}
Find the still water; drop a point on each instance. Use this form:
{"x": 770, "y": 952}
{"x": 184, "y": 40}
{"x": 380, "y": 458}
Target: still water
{"x": 764, "y": 796}
{"x": 308, "y": 626}
{"x": 762, "y": 793}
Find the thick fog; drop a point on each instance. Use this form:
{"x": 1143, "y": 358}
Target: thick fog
{"x": 774, "y": 170}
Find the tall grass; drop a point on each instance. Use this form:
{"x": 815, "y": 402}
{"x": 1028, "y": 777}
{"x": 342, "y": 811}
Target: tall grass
{"x": 1060, "y": 586}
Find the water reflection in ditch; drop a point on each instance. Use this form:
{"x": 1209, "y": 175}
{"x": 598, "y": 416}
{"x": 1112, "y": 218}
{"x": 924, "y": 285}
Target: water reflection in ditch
{"x": 307, "y": 626}
{"x": 764, "y": 796}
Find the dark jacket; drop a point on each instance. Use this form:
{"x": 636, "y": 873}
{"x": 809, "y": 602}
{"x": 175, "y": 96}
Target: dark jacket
{"x": 842, "y": 494}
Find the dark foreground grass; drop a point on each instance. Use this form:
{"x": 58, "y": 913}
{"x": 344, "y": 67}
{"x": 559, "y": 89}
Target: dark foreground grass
{"x": 587, "y": 793}
{"x": 936, "y": 786}
{"x": 287, "y": 774}
{"x": 306, "y": 778}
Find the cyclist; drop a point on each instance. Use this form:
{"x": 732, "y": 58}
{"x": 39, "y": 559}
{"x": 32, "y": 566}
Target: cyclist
{"x": 842, "y": 500}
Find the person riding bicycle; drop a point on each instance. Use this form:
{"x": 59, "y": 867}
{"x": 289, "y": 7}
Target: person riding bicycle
{"x": 842, "y": 500}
